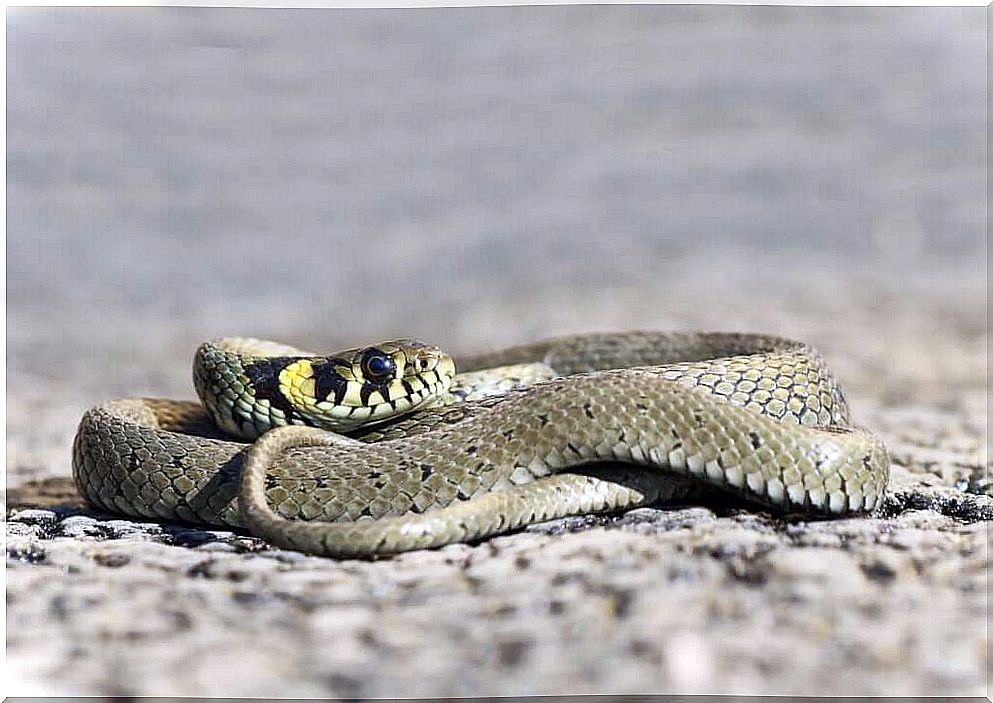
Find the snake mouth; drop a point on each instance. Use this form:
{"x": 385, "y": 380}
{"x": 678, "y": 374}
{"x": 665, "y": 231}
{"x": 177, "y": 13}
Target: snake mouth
{"x": 389, "y": 410}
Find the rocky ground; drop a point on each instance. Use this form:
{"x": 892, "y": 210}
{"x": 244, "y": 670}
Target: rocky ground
{"x": 672, "y": 599}
{"x": 172, "y": 180}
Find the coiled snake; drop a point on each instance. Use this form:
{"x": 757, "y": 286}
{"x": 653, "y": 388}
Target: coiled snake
{"x": 576, "y": 425}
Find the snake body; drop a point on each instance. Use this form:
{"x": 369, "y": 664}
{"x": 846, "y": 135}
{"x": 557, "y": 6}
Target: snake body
{"x": 621, "y": 421}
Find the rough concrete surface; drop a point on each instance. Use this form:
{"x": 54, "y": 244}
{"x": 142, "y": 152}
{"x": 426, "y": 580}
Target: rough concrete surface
{"x": 480, "y": 178}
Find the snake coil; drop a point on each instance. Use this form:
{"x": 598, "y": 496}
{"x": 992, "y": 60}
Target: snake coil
{"x": 614, "y": 421}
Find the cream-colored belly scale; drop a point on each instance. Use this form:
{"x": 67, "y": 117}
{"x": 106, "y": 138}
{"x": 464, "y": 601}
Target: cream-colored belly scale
{"x": 634, "y": 418}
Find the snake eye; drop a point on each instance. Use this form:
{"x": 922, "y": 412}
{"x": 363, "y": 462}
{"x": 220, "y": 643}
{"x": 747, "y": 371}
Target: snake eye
{"x": 377, "y": 366}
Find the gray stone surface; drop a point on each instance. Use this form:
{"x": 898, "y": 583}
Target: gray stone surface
{"x": 480, "y": 178}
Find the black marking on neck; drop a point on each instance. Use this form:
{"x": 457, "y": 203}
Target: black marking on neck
{"x": 264, "y": 377}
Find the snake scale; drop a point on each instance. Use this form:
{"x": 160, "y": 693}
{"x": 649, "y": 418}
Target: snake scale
{"x": 577, "y": 425}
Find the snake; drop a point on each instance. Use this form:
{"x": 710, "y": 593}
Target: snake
{"x": 386, "y": 448}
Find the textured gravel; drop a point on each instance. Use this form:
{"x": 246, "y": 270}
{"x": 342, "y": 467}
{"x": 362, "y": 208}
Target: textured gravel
{"x": 481, "y": 178}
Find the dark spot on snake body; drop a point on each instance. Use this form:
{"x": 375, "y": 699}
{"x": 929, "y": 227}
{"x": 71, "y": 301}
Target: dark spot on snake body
{"x": 698, "y": 418}
{"x": 508, "y": 434}
{"x": 588, "y": 409}
{"x": 365, "y": 512}
{"x": 426, "y": 471}
{"x": 543, "y": 419}
{"x": 471, "y": 450}
{"x": 756, "y": 440}
{"x": 462, "y": 495}
{"x": 641, "y": 406}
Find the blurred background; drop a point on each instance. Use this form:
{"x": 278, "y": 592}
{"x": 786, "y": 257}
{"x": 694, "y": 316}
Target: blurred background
{"x": 481, "y": 177}
{"x": 485, "y": 176}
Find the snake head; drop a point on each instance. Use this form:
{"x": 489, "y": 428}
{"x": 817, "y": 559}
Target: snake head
{"x": 370, "y": 384}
